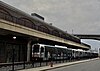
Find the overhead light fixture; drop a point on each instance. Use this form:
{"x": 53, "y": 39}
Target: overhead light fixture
{"x": 14, "y": 37}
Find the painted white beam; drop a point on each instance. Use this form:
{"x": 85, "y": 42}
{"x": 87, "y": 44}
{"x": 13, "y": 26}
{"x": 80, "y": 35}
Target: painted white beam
{"x": 31, "y": 32}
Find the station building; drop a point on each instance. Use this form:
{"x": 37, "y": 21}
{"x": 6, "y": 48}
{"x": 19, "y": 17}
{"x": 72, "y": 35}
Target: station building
{"x": 18, "y": 31}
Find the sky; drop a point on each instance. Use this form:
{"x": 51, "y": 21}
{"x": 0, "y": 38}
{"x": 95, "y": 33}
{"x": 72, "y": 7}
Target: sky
{"x": 73, "y": 16}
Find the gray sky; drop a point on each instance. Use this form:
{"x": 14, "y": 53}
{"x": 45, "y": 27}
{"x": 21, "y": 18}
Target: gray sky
{"x": 81, "y": 16}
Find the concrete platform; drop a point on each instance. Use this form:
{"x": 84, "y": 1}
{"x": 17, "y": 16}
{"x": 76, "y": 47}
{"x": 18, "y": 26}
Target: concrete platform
{"x": 57, "y": 65}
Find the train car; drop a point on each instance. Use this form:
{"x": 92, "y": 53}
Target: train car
{"x": 47, "y": 52}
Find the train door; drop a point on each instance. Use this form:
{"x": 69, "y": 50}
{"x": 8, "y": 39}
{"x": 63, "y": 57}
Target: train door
{"x": 46, "y": 53}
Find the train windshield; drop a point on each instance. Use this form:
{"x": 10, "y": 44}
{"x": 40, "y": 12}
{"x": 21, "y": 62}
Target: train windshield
{"x": 36, "y": 48}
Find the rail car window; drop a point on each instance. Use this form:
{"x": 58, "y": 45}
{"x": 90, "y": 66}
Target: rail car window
{"x": 36, "y": 48}
{"x": 42, "y": 49}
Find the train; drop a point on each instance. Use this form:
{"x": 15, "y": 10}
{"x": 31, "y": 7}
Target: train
{"x": 49, "y": 52}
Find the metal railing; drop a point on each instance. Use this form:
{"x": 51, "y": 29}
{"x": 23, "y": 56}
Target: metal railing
{"x": 34, "y": 64}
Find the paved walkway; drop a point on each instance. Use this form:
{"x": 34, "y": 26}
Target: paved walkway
{"x": 56, "y": 65}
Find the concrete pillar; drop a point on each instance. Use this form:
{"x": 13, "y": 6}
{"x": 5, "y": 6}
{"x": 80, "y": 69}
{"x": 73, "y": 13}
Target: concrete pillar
{"x": 28, "y": 51}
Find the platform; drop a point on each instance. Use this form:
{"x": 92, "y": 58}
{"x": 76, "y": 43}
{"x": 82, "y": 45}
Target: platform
{"x": 57, "y": 65}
